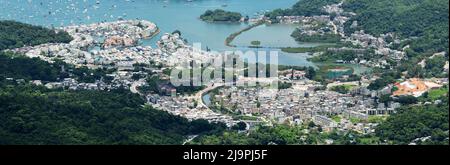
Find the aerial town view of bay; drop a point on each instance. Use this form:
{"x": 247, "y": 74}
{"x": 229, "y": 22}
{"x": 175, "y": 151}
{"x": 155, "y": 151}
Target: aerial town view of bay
{"x": 224, "y": 72}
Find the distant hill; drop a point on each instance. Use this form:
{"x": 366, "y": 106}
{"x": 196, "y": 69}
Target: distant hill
{"x": 303, "y": 8}
{"x": 15, "y": 34}
{"x": 425, "y": 19}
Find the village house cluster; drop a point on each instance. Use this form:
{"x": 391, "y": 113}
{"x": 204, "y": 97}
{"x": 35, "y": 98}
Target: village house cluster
{"x": 115, "y": 45}
{"x": 188, "y": 107}
{"x": 97, "y": 45}
{"x": 379, "y": 44}
{"x": 320, "y": 24}
{"x": 302, "y": 103}
{"x": 326, "y": 25}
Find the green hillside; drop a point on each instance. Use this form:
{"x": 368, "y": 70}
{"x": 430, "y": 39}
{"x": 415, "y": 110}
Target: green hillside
{"x": 35, "y": 115}
{"x": 303, "y": 8}
{"x": 15, "y": 34}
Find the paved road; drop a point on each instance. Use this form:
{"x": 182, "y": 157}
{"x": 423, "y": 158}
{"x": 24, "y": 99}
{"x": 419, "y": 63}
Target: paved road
{"x": 135, "y": 85}
{"x": 199, "y": 95}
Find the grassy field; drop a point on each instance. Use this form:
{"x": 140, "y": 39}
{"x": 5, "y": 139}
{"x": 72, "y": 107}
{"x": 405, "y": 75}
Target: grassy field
{"x": 336, "y": 118}
{"x": 324, "y": 72}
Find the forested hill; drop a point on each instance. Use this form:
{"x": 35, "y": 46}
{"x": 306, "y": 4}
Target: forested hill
{"x": 35, "y": 115}
{"x": 425, "y": 20}
{"x": 15, "y": 34}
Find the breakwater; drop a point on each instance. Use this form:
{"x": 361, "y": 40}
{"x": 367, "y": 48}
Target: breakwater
{"x": 231, "y": 37}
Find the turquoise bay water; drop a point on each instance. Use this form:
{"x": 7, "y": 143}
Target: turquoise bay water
{"x": 275, "y": 35}
{"x": 169, "y": 15}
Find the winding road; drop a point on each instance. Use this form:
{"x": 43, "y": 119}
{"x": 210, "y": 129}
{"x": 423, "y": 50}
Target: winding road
{"x": 135, "y": 85}
{"x": 198, "y": 96}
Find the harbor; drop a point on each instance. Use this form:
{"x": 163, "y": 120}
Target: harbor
{"x": 166, "y": 14}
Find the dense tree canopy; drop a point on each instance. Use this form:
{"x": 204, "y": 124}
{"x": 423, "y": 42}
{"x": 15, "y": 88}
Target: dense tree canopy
{"x": 425, "y": 19}
{"x": 15, "y": 34}
{"x": 20, "y": 67}
{"x": 421, "y": 24}
{"x": 303, "y": 8}
{"x": 415, "y": 122}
